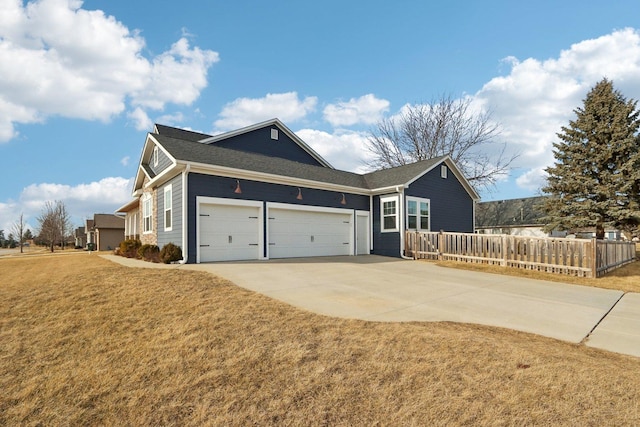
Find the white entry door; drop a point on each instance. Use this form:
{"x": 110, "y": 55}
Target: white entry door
{"x": 229, "y": 232}
{"x": 305, "y": 233}
{"x": 362, "y": 233}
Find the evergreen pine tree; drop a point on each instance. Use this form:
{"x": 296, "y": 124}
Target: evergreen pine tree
{"x": 595, "y": 180}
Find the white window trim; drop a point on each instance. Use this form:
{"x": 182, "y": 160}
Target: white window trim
{"x": 395, "y": 199}
{"x": 418, "y": 200}
{"x": 167, "y": 189}
{"x": 155, "y": 156}
{"x": 147, "y": 198}
{"x": 443, "y": 171}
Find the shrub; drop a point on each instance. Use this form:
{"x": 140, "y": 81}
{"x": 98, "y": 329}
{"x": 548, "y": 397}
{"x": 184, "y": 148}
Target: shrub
{"x": 149, "y": 253}
{"x": 129, "y": 248}
{"x": 170, "y": 253}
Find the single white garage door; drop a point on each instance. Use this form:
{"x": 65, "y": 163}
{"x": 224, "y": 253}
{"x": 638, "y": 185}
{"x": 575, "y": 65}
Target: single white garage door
{"x": 302, "y": 233}
{"x": 228, "y": 232}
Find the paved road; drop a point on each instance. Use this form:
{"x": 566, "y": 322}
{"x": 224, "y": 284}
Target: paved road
{"x": 389, "y": 289}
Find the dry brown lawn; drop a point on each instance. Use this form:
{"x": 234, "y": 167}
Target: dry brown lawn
{"x": 86, "y": 342}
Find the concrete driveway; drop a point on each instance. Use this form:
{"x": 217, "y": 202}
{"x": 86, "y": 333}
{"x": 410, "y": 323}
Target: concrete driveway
{"x": 389, "y": 289}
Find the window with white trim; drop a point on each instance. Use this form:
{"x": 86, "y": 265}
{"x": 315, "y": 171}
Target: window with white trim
{"x": 147, "y": 208}
{"x": 389, "y": 213}
{"x": 168, "y": 207}
{"x": 443, "y": 171}
{"x": 155, "y": 156}
{"x": 418, "y": 214}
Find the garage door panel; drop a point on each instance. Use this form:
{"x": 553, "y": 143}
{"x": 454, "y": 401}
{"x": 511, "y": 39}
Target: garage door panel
{"x": 229, "y": 232}
{"x": 300, "y": 233}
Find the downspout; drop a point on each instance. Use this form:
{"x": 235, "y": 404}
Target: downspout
{"x": 370, "y": 223}
{"x": 185, "y": 198}
{"x": 401, "y": 223}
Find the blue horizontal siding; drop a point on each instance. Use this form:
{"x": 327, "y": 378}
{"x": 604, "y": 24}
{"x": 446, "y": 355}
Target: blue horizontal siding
{"x": 259, "y": 141}
{"x": 214, "y": 186}
{"x": 386, "y": 244}
{"x": 175, "y": 235}
{"x": 451, "y": 205}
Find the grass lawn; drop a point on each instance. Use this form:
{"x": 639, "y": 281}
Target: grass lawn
{"x": 84, "y": 341}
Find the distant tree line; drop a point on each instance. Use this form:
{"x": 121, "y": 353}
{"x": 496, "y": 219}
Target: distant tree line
{"x": 54, "y": 229}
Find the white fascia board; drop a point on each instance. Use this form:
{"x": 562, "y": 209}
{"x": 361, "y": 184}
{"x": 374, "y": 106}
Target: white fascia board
{"x": 165, "y": 176}
{"x": 271, "y": 122}
{"x": 273, "y": 179}
{"x": 387, "y": 190}
{"x": 147, "y": 155}
{"x": 162, "y": 148}
{"x": 128, "y": 206}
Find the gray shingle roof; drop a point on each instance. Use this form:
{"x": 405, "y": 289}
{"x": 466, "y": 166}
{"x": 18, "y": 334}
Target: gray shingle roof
{"x": 216, "y": 155}
{"x": 510, "y": 213}
{"x": 184, "y": 134}
{"x": 211, "y": 154}
{"x": 108, "y": 221}
{"x": 400, "y": 174}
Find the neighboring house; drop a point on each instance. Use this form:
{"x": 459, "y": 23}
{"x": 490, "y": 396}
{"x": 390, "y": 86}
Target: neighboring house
{"x": 80, "y": 237}
{"x": 261, "y": 192}
{"x": 132, "y": 219}
{"x": 517, "y": 217}
{"x": 104, "y": 232}
{"x": 525, "y": 217}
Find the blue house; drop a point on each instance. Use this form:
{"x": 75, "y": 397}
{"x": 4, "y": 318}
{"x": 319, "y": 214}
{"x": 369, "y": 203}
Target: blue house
{"x": 260, "y": 192}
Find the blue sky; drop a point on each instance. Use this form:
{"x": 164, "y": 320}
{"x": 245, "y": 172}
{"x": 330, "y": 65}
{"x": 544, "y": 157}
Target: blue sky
{"x": 81, "y": 83}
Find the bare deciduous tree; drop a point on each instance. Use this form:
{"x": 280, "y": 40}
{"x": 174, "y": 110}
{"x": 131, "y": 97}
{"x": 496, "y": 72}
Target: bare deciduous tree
{"x": 54, "y": 223}
{"x": 18, "y": 229}
{"x": 446, "y": 126}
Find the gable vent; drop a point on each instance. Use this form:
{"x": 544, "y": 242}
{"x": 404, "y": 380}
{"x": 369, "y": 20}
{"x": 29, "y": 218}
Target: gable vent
{"x": 274, "y": 134}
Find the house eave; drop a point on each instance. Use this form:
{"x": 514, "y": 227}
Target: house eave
{"x": 129, "y": 206}
{"x": 270, "y": 178}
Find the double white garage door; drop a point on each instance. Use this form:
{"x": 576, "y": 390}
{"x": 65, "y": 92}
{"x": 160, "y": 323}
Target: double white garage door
{"x": 237, "y": 231}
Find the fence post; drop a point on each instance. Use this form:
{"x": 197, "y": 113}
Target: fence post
{"x": 504, "y": 250}
{"x": 594, "y": 258}
{"x": 440, "y": 244}
{"x": 415, "y": 245}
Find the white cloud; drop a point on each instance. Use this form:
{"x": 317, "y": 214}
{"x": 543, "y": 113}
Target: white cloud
{"x": 59, "y": 59}
{"x": 537, "y": 97}
{"x": 532, "y": 180}
{"x": 345, "y": 150}
{"x": 366, "y": 110}
{"x": 140, "y": 119}
{"x": 171, "y": 119}
{"x": 247, "y": 111}
{"x": 125, "y": 161}
{"x": 81, "y": 201}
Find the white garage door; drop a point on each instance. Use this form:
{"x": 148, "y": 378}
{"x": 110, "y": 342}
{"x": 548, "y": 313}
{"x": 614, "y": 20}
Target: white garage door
{"x": 302, "y": 233}
{"x": 229, "y": 232}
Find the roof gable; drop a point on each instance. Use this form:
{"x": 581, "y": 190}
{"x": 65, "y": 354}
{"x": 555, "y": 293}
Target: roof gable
{"x": 144, "y": 170}
{"x": 270, "y": 138}
{"x": 406, "y": 174}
